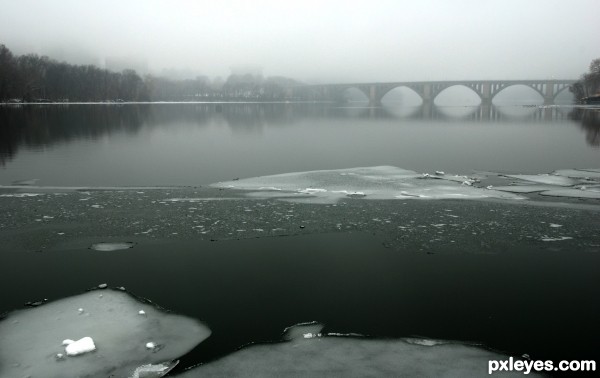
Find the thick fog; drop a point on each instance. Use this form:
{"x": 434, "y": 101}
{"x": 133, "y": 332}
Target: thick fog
{"x": 314, "y": 40}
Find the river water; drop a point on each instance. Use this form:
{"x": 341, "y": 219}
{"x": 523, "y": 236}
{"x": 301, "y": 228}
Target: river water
{"x": 382, "y": 253}
{"x": 194, "y": 144}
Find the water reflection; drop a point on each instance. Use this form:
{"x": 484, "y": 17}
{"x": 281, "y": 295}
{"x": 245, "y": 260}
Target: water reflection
{"x": 163, "y": 134}
{"x": 589, "y": 119}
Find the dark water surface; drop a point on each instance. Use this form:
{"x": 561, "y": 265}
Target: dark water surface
{"x": 192, "y": 144}
{"x": 518, "y": 301}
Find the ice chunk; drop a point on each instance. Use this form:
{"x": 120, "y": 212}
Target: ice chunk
{"x": 30, "y": 338}
{"x": 154, "y": 371}
{"x": 301, "y": 330}
{"x": 21, "y": 195}
{"x": 340, "y": 356}
{"x": 105, "y": 247}
{"x": 81, "y": 346}
{"x": 546, "y": 179}
{"x": 560, "y": 238}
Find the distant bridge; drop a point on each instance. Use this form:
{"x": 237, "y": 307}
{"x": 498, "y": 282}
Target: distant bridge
{"x": 429, "y": 90}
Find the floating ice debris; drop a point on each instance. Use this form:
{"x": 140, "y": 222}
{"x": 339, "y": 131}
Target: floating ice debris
{"x": 80, "y": 310}
{"x": 554, "y": 225}
{"x": 440, "y": 173}
{"x": 142, "y": 312}
{"x": 59, "y": 356}
{"x": 467, "y": 182}
{"x": 424, "y": 342}
{"x": 105, "y": 247}
{"x": 312, "y": 190}
{"x": 560, "y": 238}
{"x": 67, "y": 341}
{"x": 117, "y": 331}
{"x": 150, "y": 345}
{"x": 342, "y": 356}
{"x": 489, "y": 187}
{"x": 301, "y": 330}
{"x": 350, "y": 194}
{"x": 154, "y": 371}
{"x": 21, "y": 195}
{"x": 81, "y": 346}
{"x": 546, "y": 179}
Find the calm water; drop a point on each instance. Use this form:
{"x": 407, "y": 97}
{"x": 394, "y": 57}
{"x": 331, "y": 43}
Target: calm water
{"x": 194, "y": 144}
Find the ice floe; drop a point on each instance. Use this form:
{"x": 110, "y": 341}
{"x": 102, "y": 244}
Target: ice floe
{"x": 106, "y": 247}
{"x": 335, "y": 355}
{"x": 381, "y": 182}
{"x": 81, "y": 346}
{"x": 109, "y": 338}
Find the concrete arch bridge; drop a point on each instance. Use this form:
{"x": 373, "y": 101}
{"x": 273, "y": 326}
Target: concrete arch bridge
{"x": 429, "y": 90}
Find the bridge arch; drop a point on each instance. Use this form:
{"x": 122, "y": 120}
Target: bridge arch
{"x": 352, "y": 93}
{"x": 521, "y": 89}
{"x": 442, "y": 91}
{"x": 415, "y": 98}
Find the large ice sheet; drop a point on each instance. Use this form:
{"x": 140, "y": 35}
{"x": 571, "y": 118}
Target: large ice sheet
{"x": 31, "y": 340}
{"x": 313, "y": 355}
{"x": 382, "y": 182}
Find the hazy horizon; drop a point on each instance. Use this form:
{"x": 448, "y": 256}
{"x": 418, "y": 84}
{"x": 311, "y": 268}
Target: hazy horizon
{"x": 314, "y": 41}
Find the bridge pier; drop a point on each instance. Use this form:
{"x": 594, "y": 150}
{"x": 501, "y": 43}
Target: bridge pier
{"x": 374, "y": 98}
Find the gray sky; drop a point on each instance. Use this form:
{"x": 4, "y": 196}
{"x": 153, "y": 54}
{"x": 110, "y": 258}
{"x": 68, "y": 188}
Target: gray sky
{"x": 317, "y": 40}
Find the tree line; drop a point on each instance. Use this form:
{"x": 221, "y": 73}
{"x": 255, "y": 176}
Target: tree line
{"x": 589, "y": 83}
{"x": 33, "y": 78}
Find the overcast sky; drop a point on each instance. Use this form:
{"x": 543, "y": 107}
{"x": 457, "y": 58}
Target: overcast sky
{"x": 317, "y": 40}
